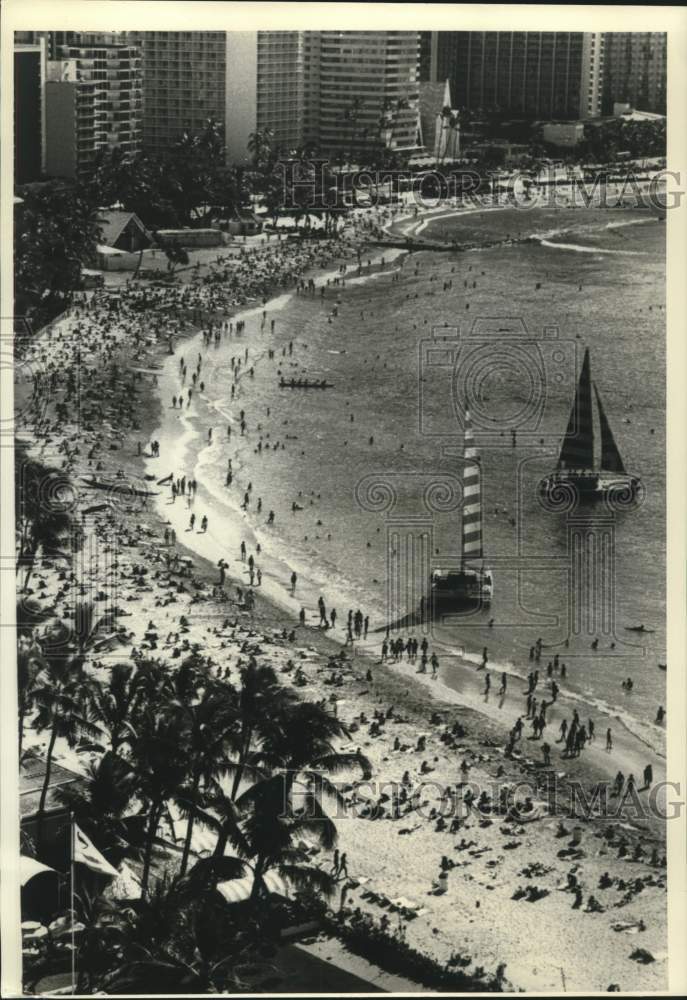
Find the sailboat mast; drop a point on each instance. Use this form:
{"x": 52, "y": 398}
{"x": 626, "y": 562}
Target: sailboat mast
{"x": 472, "y": 499}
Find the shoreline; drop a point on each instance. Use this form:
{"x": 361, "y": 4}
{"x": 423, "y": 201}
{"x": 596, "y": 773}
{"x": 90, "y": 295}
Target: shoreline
{"x": 378, "y": 853}
{"x": 460, "y": 679}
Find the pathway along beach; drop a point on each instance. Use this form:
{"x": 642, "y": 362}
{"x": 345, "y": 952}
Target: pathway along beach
{"x": 517, "y": 875}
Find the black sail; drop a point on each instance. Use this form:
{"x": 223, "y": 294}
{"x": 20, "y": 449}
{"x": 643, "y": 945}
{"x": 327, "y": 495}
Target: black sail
{"x": 610, "y": 456}
{"x": 577, "y": 451}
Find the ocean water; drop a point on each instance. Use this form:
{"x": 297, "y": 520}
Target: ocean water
{"x": 374, "y": 463}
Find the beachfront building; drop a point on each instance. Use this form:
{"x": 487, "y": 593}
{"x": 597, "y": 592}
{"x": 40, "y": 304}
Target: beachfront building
{"x": 30, "y": 66}
{"x": 92, "y": 101}
{"x": 636, "y": 70}
{"x": 184, "y": 83}
{"x": 264, "y": 90}
{"x": 362, "y": 91}
{"x": 538, "y": 74}
{"x": 244, "y": 80}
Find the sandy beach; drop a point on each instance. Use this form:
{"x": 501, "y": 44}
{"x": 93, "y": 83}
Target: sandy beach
{"x": 562, "y": 899}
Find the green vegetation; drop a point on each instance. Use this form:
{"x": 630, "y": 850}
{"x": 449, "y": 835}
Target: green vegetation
{"x": 250, "y": 763}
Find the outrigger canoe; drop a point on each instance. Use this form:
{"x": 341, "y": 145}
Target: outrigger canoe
{"x": 119, "y": 486}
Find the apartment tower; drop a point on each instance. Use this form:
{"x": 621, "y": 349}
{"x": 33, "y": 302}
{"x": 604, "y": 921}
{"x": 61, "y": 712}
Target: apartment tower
{"x": 264, "y": 90}
{"x": 92, "y": 101}
{"x": 362, "y": 90}
{"x": 29, "y": 110}
{"x": 636, "y": 70}
{"x": 534, "y": 74}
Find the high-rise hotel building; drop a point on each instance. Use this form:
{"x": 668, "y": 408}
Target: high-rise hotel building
{"x": 536, "y": 74}
{"x": 361, "y": 90}
{"x": 264, "y": 90}
{"x": 29, "y": 107}
{"x": 184, "y": 83}
{"x": 92, "y": 100}
{"x": 245, "y": 80}
{"x": 333, "y": 89}
{"x": 636, "y": 70}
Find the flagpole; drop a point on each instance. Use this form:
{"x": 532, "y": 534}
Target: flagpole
{"x": 71, "y": 893}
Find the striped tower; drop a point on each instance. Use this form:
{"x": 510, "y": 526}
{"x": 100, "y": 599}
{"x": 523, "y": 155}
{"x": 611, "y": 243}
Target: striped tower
{"x": 472, "y": 498}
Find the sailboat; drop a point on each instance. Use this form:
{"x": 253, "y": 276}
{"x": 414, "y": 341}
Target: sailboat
{"x": 593, "y": 476}
{"x": 471, "y": 584}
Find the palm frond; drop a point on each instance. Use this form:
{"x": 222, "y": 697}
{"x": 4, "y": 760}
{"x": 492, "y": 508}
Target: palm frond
{"x": 307, "y": 877}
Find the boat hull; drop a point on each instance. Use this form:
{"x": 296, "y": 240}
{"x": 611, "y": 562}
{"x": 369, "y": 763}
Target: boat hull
{"x": 460, "y": 591}
{"x": 590, "y": 487}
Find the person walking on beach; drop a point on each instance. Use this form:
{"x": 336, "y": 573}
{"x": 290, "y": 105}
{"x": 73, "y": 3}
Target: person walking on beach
{"x": 243, "y": 551}
{"x": 648, "y": 776}
{"x": 332, "y": 617}
{"x": 192, "y": 521}
{"x": 301, "y": 616}
{"x": 204, "y": 523}
{"x": 609, "y": 741}
{"x": 294, "y": 580}
{"x": 385, "y": 651}
{"x": 435, "y": 665}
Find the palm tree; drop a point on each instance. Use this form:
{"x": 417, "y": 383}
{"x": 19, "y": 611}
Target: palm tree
{"x": 209, "y": 724}
{"x": 184, "y": 939}
{"x": 260, "y": 146}
{"x": 62, "y": 711}
{"x": 217, "y": 811}
{"x": 29, "y": 664}
{"x": 113, "y": 704}
{"x": 301, "y": 744}
{"x": 86, "y": 631}
{"x": 102, "y": 939}
{"x": 161, "y": 766}
{"x": 43, "y": 502}
{"x": 270, "y": 832}
{"x": 264, "y": 829}
{"x": 101, "y": 804}
{"x": 260, "y": 696}
{"x": 55, "y": 234}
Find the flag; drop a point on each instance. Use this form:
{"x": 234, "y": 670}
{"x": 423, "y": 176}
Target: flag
{"x": 87, "y": 854}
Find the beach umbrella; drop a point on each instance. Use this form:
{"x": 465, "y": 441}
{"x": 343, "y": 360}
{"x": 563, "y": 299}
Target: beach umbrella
{"x": 237, "y": 890}
{"x": 29, "y": 868}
